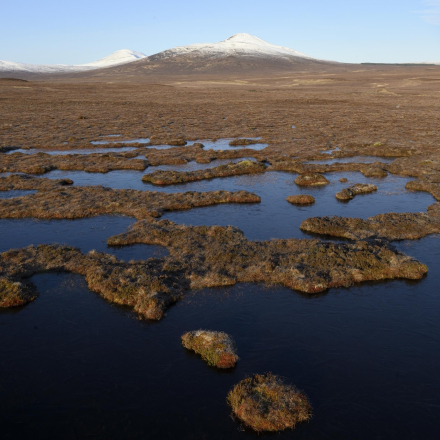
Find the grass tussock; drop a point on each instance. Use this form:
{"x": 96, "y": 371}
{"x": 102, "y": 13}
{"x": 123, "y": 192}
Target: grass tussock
{"x": 358, "y": 188}
{"x": 15, "y": 293}
{"x": 301, "y": 199}
{"x": 313, "y": 179}
{"x": 217, "y": 349}
{"x": 266, "y": 403}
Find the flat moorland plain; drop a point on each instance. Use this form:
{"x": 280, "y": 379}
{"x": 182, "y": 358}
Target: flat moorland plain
{"x": 353, "y": 108}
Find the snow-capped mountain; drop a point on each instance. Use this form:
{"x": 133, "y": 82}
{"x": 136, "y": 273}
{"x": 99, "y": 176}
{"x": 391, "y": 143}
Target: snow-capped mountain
{"x": 119, "y": 57}
{"x": 237, "y": 45}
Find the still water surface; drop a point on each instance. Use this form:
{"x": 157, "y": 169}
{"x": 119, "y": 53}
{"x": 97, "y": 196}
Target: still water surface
{"x": 74, "y": 366}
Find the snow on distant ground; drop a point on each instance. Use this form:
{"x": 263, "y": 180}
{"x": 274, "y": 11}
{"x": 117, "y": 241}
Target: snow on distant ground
{"x": 123, "y": 56}
{"x": 239, "y": 44}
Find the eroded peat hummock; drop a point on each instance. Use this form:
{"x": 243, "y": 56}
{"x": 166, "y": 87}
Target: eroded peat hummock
{"x": 203, "y": 257}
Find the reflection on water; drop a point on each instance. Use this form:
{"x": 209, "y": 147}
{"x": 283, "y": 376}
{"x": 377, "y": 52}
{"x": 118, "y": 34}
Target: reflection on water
{"x": 367, "y": 357}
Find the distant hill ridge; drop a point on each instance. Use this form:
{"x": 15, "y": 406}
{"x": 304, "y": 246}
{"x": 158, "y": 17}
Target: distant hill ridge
{"x": 123, "y": 56}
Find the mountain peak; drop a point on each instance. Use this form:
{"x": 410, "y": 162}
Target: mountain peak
{"x": 245, "y": 38}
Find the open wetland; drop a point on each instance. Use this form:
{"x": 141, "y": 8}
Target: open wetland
{"x": 212, "y": 271}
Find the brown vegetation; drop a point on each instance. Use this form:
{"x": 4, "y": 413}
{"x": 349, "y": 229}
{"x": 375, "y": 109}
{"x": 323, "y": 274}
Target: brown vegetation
{"x": 266, "y": 403}
{"x": 142, "y": 285}
{"x": 230, "y": 169}
{"x": 89, "y": 201}
{"x": 220, "y": 256}
{"x": 25, "y": 182}
{"x": 301, "y": 199}
{"x": 41, "y": 163}
{"x": 243, "y": 142}
{"x": 358, "y": 188}
{"x": 311, "y": 180}
{"x": 216, "y": 348}
{"x": 407, "y": 226}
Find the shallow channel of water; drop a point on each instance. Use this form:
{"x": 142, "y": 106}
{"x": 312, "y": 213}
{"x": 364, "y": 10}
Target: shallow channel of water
{"x": 86, "y": 234}
{"x": 223, "y": 144}
{"x": 273, "y": 217}
{"x": 354, "y": 159}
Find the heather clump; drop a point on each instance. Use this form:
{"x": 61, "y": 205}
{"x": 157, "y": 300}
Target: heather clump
{"x": 265, "y": 403}
{"x": 301, "y": 199}
{"x": 313, "y": 179}
{"x": 358, "y": 188}
{"x": 216, "y": 348}
{"x": 15, "y": 293}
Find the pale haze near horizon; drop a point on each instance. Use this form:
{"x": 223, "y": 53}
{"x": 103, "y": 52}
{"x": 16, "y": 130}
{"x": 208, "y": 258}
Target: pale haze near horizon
{"x": 49, "y": 32}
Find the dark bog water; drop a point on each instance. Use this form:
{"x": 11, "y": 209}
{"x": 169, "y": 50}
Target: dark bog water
{"x": 86, "y": 234}
{"x": 74, "y": 366}
{"x": 273, "y": 217}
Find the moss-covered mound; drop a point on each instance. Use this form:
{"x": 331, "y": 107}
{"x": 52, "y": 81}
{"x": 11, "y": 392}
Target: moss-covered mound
{"x": 227, "y": 170}
{"x": 313, "y": 179}
{"x": 301, "y": 199}
{"x": 242, "y": 142}
{"x": 358, "y": 188}
{"x": 265, "y": 403}
{"x": 216, "y": 348}
{"x": 15, "y": 293}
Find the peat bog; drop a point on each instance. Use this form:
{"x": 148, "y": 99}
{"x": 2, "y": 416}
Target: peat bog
{"x": 338, "y": 297}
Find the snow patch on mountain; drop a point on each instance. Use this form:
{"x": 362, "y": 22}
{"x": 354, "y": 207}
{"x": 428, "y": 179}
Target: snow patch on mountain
{"x": 239, "y": 44}
{"x": 119, "y": 57}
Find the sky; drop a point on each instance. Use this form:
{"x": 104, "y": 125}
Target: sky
{"x": 80, "y": 31}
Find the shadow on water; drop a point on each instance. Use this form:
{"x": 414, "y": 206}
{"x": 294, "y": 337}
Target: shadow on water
{"x": 367, "y": 357}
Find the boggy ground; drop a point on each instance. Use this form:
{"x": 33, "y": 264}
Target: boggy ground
{"x": 219, "y": 256}
{"x": 26, "y": 182}
{"x": 392, "y": 226}
{"x": 227, "y": 170}
{"x": 89, "y": 201}
{"x": 203, "y": 257}
{"x": 353, "y": 107}
{"x": 142, "y": 284}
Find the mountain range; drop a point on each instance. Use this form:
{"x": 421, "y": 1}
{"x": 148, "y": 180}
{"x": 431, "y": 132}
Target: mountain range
{"x": 241, "y": 53}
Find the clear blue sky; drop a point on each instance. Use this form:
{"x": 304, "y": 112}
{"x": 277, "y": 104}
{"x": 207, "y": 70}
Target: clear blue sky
{"x": 73, "y": 32}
